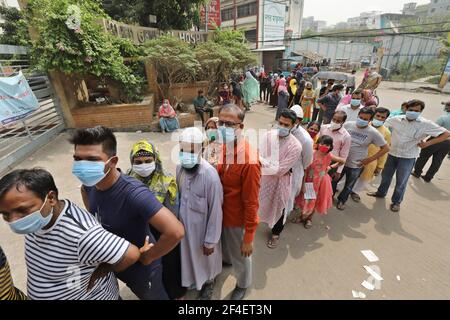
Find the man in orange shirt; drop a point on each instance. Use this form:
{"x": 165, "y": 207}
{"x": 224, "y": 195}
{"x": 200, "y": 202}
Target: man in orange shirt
{"x": 240, "y": 173}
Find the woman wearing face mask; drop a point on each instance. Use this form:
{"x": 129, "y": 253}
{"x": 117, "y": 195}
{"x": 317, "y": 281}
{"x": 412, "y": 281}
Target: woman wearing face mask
{"x": 317, "y": 192}
{"x": 313, "y": 129}
{"x": 168, "y": 120}
{"x": 307, "y": 101}
{"x": 213, "y": 147}
{"x": 283, "y": 98}
{"x": 147, "y": 168}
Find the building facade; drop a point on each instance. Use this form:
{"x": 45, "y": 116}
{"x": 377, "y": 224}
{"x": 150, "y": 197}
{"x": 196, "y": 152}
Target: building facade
{"x": 434, "y": 8}
{"x": 266, "y": 25}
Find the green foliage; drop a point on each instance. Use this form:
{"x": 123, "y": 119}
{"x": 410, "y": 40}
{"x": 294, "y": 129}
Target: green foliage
{"x": 234, "y": 41}
{"x": 173, "y": 58}
{"x": 410, "y": 72}
{"x": 15, "y": 31}
{"x": 171, "y": 14}
{"x": 84, "y": 50}
{"x": 216, "y": 61}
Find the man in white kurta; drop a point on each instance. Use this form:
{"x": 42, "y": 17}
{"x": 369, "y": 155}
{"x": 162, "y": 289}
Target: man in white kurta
{"x": 306, "y": 157}
{"x": 201, "y": 199}
{"x": 280, "y": 152}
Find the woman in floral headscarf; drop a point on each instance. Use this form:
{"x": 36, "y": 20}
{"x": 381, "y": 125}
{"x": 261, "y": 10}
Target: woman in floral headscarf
{"x": 168, "y": 117}
{"x": 147, "y": 168}
{"x": 213, "y": 146}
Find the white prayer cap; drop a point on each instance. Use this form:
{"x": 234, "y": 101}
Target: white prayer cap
{"x": 298, "y": 110}
{"x": 192, "y": 135}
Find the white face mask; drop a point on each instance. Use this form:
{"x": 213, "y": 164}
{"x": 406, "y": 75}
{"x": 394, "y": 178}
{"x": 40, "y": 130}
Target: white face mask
{"x": 144, "y": 170}
{"x": 335, "y": 126}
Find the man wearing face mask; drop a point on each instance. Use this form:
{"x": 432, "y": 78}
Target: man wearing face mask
{"x": 280, "y": 151}
{"x": 306, "y": 157}
{"x": 201, "y": 199}
{"x": 330, "y": 102}
{"x": 341, "y": 143}
{"x": 362, "y": 135}
{"x": 240, "y": 172}
{"x": 374, "y": 168}
{"x": 147, "y": 167}
{"x": 408, "y": 134}
{"x": 66, "y": 249}
{"x": 352, "y": 109}
{"x": 126, "y": 207}
{"x": 438, "y": 151}
{"x": 201, "y": 106}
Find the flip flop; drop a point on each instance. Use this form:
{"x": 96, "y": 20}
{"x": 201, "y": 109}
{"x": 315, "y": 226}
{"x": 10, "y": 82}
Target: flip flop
{"x": 273, "y": 242}
{"x": 356, "y": 197}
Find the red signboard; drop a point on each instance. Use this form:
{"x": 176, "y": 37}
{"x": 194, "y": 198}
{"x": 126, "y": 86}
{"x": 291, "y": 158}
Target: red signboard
{"x": 213, "y": 13}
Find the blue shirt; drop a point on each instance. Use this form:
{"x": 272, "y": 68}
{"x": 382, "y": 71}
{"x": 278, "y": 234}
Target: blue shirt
{"x": 444, "y": 121}
{"x": 125, "y": 210}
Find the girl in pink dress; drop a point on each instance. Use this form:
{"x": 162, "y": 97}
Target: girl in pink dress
{"x": 317, "y": 178}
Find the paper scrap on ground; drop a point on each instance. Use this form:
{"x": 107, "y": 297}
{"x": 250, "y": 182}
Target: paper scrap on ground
{"x": 368, "y": 285}
{"x": 398, "y": 278}
{"x": 370, "y": 255}
{"x": 359, "y": 295}
{"x": 373, "y": 273}
{"x": 310, "y": 194}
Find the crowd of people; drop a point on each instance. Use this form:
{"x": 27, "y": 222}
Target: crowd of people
{"x": 164, "y": 234}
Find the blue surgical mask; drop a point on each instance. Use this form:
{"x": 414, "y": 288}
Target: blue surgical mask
{"x": 89, "y": 172}
{"x": 355, "y": 102}
{"x": 32, "y": 222}
{"x": 226, "y": 135}
{"x": 283, "y": 132}
{"x": 362, "y": 123}
{"x": 412, "y": 115}
{"x": 189, "y": 160}
{"x": 377, "y": 123}
{"x": 212, "y": 134}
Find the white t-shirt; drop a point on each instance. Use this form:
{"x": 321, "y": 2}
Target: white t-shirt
{"x": 361, "y": 139}
{"x": 352, "y": 114}
{"x": 61, "y": 260}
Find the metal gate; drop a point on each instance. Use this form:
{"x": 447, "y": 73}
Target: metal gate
{"x": 26, "y": 136}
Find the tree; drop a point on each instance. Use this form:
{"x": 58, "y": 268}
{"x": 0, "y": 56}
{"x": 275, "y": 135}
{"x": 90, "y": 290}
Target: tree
{"x": 15, "y": 30}
{"x": 237, "y": 46}
{"x": 171, "y": 14}
{"x": 71, "y": 41}
{"x": 174, "y": 61}
{"x": 216, "y": 63}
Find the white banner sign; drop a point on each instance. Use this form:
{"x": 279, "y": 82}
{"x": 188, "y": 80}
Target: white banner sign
{"x": 274, "y": 23}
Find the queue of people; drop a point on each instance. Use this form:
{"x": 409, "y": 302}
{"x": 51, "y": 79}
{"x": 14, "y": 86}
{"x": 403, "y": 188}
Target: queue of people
{"x": 164, "y": 234}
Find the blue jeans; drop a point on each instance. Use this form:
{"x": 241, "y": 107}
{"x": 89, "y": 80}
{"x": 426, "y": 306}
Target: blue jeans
{"x": 402, "y": 167}
{"x": 351, "y": 176}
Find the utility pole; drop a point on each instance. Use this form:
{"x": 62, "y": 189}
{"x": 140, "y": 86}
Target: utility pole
{"x": 234, "y": 13}
{"x": 206, "y": 16}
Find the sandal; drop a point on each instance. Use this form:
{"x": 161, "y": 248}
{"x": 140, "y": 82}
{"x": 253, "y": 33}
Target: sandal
{"x": 308, "y": 224}
{"x": 298, "y": 220}
{"x": 273, "y": 242}
{"x": 395, "y": 207}
{"x": 340, "y": 206}
{"x": 355, "y": 197}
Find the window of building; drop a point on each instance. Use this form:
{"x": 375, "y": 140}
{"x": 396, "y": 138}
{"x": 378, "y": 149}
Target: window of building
{"x": 250, "y": 35}
{"x": 227, "y": 14}
{"x": 249, "y": 9}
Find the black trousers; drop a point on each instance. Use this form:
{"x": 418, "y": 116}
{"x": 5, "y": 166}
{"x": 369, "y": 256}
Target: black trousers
{"x": 201, "y": 112}
{"x": 439, "y": 151}
{"x": 315, "y": 114}
{"x": 349, "y": 90}
{"x": 279, "y": 226}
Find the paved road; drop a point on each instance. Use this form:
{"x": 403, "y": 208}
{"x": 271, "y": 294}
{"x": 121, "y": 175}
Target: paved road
{"x": 321, "y": 263}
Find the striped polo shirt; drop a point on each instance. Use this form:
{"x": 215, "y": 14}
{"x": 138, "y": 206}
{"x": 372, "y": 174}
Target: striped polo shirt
{"x": 61, "y": 260}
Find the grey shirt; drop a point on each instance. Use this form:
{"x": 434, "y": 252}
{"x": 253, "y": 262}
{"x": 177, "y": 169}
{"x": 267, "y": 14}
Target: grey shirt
{"x": 331, "y": 102}
{"x": 361, "y": 139}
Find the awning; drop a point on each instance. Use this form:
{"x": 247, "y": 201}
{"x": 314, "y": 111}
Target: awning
{"x": 308, "y": 54}
{"x": 280, "y": 48}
